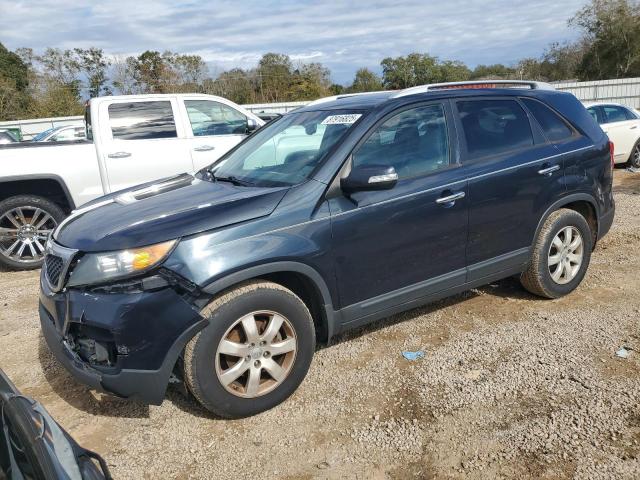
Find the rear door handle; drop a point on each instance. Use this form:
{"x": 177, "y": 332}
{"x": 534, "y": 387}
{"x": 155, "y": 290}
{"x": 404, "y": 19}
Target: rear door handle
{"x": 450, "y": 198}
{"x": 634, "y": 127}
{"x": 204, "y": 148}
{"x": 119, "y": 155}
{"x": 549, "y": 170}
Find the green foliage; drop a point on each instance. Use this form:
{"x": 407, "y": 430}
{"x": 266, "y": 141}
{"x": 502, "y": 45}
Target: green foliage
{"x": 13, "y": 70}
{"x": 365, "y": 81}
{"x": 496, "y": 71}
{"x": 419, "y": 69}
{"x": 94, "y": 65}
{"x": 611, "y": 33}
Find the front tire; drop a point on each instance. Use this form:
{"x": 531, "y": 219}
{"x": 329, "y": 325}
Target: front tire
{"x": 254, "y": 353}
{"x": 26, "y": 221}
{"x": 560, "y": 255}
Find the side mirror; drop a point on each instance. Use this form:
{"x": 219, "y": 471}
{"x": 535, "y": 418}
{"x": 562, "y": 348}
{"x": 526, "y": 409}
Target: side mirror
{"x": 252, "y": 125}
{"x": 369, "y": 177}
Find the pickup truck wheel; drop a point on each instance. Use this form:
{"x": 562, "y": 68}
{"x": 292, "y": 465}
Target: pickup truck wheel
{"x": 560, "y": 255}
{"x": 254, "y": 353}
{"x": 26, "y": 222}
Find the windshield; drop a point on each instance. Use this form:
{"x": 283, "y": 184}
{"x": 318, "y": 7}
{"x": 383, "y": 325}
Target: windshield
{"x": 41, "y": 135}
{"x": 285, "y": 152}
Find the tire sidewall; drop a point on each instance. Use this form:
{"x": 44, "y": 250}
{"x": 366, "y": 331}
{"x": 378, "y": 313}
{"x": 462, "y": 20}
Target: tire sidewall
{"x": 568, "y": 219}
{"x": 632, "y": 160}
{"x": 28, "y": 201}
{"x": 216, "y": 397}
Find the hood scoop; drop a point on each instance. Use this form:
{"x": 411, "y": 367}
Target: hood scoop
{"x": 168, "y": 185}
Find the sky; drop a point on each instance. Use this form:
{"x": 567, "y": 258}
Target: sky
{"x": 343, "y": 36}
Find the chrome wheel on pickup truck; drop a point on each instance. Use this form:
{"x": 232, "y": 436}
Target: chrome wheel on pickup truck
{"x": 25, "y": 225}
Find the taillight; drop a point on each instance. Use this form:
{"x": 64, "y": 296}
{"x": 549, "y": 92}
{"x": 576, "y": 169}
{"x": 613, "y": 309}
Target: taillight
{"x": 611, "y": 151}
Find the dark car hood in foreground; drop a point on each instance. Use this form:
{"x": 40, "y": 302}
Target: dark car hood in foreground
{"x": 164, "y": 210}
{"x": 45, "y": 451}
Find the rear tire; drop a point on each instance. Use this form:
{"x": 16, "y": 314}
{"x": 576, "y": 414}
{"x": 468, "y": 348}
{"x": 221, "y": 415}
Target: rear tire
{"x": 26, "y": 221}
{"x": 560, "y": 256}
{"x": 634, "y": 159}
{"x": 254, "y": 353}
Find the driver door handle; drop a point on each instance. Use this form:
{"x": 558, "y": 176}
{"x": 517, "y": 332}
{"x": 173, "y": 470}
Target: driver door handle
{"x": 119, "y": 155}
{"x": 450, "y": 198}
{"x": 549, "y": 170}
{"x": 204, "y": 148}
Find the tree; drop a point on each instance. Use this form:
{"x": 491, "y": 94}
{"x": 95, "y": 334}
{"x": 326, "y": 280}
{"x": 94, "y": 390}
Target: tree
{"x": 419, "y": 69}
{"x": 495, "y": 71}
{"x": 94, "y": 65}
{"x": 124, "y": 75}
{"x": 365, "y": 81}
{"x": 611, "y": 34}
{"x": 151, "y": 72}
{"x": 235, "y": 84}
{"x": 310, "y": 81}
{"x": 13, "y": 69}
{"x": 274, "y": 77}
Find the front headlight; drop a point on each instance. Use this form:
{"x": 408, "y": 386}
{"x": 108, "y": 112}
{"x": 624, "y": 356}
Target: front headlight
{"x": 102, "y": 267}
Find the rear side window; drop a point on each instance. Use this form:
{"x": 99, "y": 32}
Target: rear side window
{"x": 494, "y": 126}
{"x": 142, "y": 120}
{"x": 614, "y": 114}
{"x": 555, "y": 129}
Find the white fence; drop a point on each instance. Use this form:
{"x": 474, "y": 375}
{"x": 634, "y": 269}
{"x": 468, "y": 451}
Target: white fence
{"x": 625, "y": 91}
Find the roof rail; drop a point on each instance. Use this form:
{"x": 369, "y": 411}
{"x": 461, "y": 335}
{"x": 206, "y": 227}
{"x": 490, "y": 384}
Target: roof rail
{"x": 474, "y": 84}
{"x": 344, "y": 95}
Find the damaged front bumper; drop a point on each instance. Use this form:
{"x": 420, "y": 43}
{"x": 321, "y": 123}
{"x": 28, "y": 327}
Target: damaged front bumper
{"x": 121, "y": 342}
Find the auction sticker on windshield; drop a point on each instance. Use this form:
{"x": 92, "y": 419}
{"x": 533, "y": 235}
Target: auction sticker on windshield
{"x": 341, "y": 119}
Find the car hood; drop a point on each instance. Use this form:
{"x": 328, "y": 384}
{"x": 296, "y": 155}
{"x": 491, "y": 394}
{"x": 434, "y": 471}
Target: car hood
{"x": 163, "y": 210}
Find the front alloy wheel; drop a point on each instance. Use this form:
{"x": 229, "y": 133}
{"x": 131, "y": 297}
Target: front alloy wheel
{"x": 256, "y": 354}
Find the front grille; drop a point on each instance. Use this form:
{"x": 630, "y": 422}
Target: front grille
{"x": 54, "y": 266}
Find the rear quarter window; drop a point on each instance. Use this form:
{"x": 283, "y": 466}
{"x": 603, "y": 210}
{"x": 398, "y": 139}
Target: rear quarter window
{"x": 142, "y": 120}
{"x": 494, "y": 126}
{"x": 554, "y": 127}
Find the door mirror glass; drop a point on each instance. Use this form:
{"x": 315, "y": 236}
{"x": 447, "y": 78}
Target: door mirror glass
{"x": 252, "y": 125}
{"x": 369, "y": 177}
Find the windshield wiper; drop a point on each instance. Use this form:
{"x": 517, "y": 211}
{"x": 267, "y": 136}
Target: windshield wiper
{"x": 232, "y": 179}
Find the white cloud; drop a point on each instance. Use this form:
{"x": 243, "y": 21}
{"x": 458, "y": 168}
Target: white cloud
{"x": 343, "y": 36}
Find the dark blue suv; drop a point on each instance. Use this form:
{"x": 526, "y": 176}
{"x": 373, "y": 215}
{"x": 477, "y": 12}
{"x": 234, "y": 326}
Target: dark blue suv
{"x": 345, "y": 211}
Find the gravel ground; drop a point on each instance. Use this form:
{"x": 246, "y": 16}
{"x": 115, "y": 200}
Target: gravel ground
{"x": 510, "y": 386}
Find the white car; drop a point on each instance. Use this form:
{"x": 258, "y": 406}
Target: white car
{"x": 622, "y": 125}
{"x": 6, "y": 137}
{"x": 67, "y": 133}
{"x": 131, "y": 139}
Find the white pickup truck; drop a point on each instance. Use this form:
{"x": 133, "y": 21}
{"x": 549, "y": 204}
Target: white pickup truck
{"x": 130, "y": 140}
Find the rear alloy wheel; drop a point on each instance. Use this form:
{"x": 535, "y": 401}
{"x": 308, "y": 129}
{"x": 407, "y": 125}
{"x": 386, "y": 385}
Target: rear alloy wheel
{"x": 255, "y": 351}
{"x": 26, "y": 222}
{"x": 560, "y": 255}
{"x": 634, "y": 160}
{"x": 565, "y": 255}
